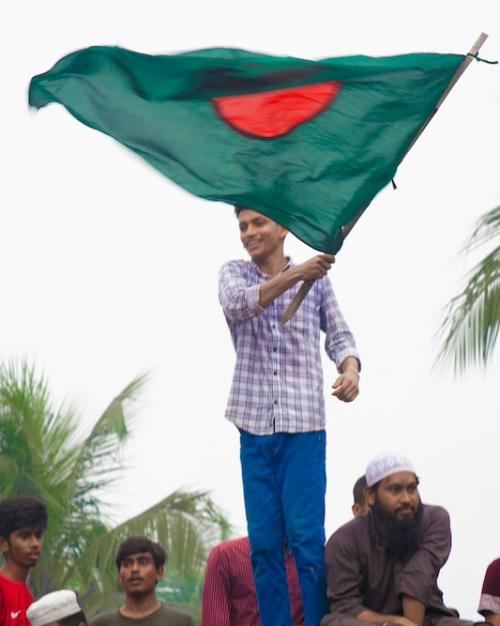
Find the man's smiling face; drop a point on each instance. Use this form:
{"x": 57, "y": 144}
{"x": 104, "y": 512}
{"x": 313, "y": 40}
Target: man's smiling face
{"x": 260, "y": 236}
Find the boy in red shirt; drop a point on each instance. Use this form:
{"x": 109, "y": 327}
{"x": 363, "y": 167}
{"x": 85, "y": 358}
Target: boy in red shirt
{"x": 22, "y": 522}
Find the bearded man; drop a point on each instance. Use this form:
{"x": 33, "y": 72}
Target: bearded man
{"x": 382, "y": 567}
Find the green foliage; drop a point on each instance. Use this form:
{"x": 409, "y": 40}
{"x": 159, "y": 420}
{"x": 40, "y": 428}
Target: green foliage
{"x": 43, "y": 454}
{"x": 472, "y": 319}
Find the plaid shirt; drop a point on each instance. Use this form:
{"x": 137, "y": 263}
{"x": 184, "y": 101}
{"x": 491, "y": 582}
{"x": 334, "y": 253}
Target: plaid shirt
{"x": 278, "y": 380}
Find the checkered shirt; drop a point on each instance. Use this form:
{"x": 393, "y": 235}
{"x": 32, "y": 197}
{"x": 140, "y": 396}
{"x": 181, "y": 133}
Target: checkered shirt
{"x": 278, "y": 380}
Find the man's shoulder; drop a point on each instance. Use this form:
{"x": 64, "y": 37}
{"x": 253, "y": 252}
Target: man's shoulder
{"x": 348, "y": 532}
{"x": 166, "y": 615}
{"x": 494, "y": 567}
{"x": 237, "y": 265}
{"x": 174, "y": 616}
{"x": 106, "y": 617}
{"x": 14, "y": 588}
{"x": 232, "y": 547}
{"x": 433, "y": 513}
{"x": 230, "y": 556}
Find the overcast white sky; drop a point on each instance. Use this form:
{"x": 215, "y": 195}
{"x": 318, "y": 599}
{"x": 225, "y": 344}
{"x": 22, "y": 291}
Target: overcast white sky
{"x": 108, "y": 269}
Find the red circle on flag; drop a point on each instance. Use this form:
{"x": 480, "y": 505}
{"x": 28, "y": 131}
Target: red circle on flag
{"x": 271, "y": 114}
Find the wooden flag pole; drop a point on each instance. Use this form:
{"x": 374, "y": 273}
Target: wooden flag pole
{"x": 307, "y": 284}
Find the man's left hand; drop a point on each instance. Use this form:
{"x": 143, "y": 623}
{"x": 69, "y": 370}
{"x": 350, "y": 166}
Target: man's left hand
{"x": 346, "y": 387}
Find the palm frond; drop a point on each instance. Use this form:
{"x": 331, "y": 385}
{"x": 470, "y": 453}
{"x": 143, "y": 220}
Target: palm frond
{"x": 96, "y": 463}
{"x": 33, "y": 433}
{"x": 487, "y": 228}
{"x": 42, "y": 455}
{"x": 472, "y": 319}
{"x": 98, "y": 460}
{"x": 111, "y": 428}
{"x": 185, "y": 523}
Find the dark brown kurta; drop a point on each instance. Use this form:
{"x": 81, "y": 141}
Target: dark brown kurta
{"x": 361, "y": 575}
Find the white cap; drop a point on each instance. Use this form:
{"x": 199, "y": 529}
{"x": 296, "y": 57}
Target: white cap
{"x": 53, "y": 607}
{"x": 386, "y": 464}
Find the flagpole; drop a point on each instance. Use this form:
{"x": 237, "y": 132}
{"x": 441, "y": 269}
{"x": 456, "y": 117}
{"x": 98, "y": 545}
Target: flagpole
{"x": 307, "y": 284}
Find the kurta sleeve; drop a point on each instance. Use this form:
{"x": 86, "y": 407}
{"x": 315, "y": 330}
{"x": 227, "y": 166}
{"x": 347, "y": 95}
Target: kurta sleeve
{"x": 489, "y": 601}
{"x": 418, "y": 577}
{"x": 239, "y": 301}
{"x": 339, "y": 341}
{"x": 344, "y": 576}
{"x": 215, "y": 607}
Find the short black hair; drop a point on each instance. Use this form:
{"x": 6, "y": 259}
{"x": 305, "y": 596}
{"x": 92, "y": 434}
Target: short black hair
{"x": 238, "y": 209}
{"x": 20, "y": 511}
{"x": 358, "y": 491}
{"x": 132, "y": 545}
{"x": 73, "y": 620}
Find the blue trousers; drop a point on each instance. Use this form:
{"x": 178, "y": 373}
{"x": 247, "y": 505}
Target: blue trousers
{"x": 284, "y": 483}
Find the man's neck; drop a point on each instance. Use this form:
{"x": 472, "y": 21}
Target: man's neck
{"x": 273, "y": 265}
{"x": 14, "y": 571}
{"x": 137, "y": 606}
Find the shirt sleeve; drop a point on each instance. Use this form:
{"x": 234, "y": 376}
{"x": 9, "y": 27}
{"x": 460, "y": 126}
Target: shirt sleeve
{"x": 489, "y": 601}
{"x": 239, "y": 301}
{"x": 215, "y": 605}
{"x": 344, "y": 577}
{"x": 339, "y": 341}
{"x": 418, "y": 577}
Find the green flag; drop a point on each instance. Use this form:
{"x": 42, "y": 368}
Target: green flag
{"x": 307, "y": 143}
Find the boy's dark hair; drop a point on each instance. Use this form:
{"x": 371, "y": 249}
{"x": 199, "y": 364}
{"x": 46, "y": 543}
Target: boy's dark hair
{"x": 73, "y": 620}
{"x": 132, "y": 545}
{"x": 358, "y": 491}
{"x": 238, "y": 209}
{"x": 20, "y": 511}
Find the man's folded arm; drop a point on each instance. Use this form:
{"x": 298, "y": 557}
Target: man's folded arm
{"x": 418, "y": 577}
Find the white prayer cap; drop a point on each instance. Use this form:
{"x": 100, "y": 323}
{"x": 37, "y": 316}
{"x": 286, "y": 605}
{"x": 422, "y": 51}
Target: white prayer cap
{"x": 53, "y": 607}
{"x": 386, "y": 464}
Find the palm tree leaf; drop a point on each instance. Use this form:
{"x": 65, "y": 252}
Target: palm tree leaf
{"x": 185, "y": 523}
{"x": 472, "y": 319}
{"x": 487, "y": 228}
{"x": 98, "y": 460}
{"x": 110, "y": 430}
{"x": 42, "y": 454}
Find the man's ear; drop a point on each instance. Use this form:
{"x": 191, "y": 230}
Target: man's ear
{"x": 283, "y": 233}
{"x": 161, "y": 571}
{"x": 369, "y": 496}
{"x": 4, "y": 545}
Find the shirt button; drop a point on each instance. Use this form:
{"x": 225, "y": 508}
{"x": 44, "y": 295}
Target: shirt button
{"x": 275, "y": 402}
{"x": 275, "y": 373}
{"x": 274, "y": 349}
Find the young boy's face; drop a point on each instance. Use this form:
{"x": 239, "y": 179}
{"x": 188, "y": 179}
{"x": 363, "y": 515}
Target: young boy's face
{"x": 23, "y": 546}
{"x": 138, "y": 574}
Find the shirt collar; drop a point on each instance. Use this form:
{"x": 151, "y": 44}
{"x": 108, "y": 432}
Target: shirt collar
{"x": 261, "y": 273}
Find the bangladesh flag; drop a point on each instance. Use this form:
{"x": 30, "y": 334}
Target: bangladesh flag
{"x": 307, "y": 143}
